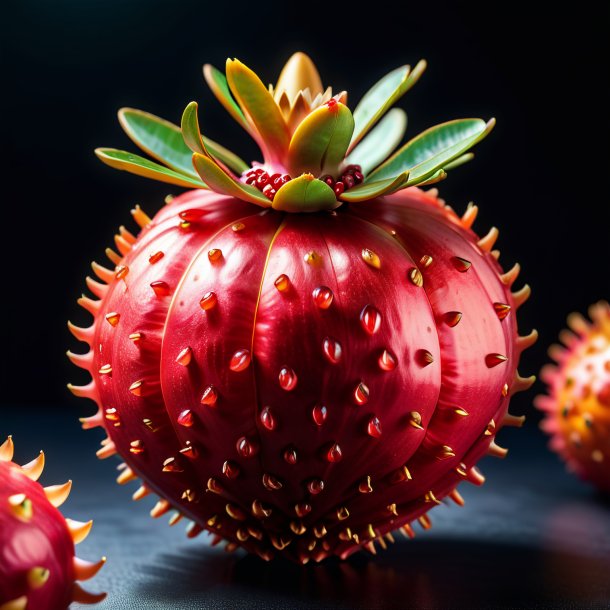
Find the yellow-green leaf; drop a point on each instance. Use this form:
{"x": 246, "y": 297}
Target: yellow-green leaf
{"x": 134, "y": 164}
{"x": 370, "y": 190}
{"x": 305, "y": 194}
{"x": 217, "y": 83}
{"x": 218, "y": 180}
{"x": 319, "y": 143}
{"x": 190, "y": 130}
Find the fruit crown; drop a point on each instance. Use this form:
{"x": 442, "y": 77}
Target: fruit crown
{"x": 317, "y": 154}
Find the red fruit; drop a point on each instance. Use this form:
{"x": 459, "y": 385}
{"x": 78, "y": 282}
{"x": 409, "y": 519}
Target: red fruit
{"x": 343, "y": 343}
{"x": 38, "y": 568}
{"x": 577, "y": 408}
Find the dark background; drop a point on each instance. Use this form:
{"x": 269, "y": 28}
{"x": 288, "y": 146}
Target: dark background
{"x": 68, "y": 65}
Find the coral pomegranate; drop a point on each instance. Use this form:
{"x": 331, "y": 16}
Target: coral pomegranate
{"x": 38, "y": 569}
{"x": 304, "y": 354}
{"x": 577, "y": 408}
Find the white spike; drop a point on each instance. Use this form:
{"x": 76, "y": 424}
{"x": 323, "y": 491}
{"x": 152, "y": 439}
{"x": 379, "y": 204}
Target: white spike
{"x": 58, "y": 494}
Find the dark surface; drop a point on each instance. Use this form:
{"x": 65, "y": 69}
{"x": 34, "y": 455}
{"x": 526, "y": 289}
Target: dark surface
{"x": 531, "y": 537}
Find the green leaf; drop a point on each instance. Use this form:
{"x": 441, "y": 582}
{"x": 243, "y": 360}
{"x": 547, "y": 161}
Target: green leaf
{"x": 260, "y": 108}
{"x": 370, "y": 190}
{"x": 382, "y": 96}
{"x": 190, "y": 130}
{"x": 380, "y": 142}
{"x": 465, "y": 158}
{"x": 159, "y": 138}
{"x": 219, "y": 181}
{"x": 305, "y": 194}
{"x": 437, "y": 176}
{"x": 134, "y": 164}
{"x": 319, "y": 143}
{"x": 217, "y": 83}
{"x": 433, "y": 149}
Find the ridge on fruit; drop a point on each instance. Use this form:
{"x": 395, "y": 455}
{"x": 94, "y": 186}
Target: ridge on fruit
{"x": 38, "y": 568}
{"x": 302, "y": 384}
{"x": 317, "y": 155}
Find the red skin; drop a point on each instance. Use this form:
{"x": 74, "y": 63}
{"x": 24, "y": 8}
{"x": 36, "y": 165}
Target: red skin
{"x": 43, "y": 541}
{"x": 287, "y": 329}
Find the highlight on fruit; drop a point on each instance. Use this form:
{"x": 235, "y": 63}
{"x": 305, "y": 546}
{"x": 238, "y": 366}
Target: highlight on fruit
{"x": 308, "y": 353}
{"x": 577, "y": 407}
{"x": 38, "y": 567}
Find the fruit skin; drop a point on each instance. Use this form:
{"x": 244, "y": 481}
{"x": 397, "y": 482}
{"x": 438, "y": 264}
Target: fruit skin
{"x": 577, "y": 407}
{"x": 159, "y": 356}
{"x": 38, "y": 568}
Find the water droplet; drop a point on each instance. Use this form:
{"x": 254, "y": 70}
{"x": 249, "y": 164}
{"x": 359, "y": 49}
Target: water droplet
{"x": 424, "y": 357}
{"x": 288, "y": 379}
{"x": 302, "y": 509}
{"x": 208, "y": 301}
{"x": 505, "y": 390}
{"x": 238, "y": 226}
{"x": 214, "y": 255}
{"x": 246, "y": 448}
{"x": 332, "y": 350}
{"x": 365, "y": 487}
{"x": 121, "y": 272}
{"x": 136, "y": 388}
{"x": 370, "y": 258}
{"x": 312, "y": 258}
{"x": 230, "y": 469}
{"x": 415, "y": 420}
{"x": 160, "y": 288}
{"x": 155, "y": 257}
{"x": 502, "y": 310}
{"x": 361, "y": 394}
{"x": 189, "y": 451}
{"x": 374, "y": 427}
{"x": 136, "y": 447}
{"x": 171, "y": 465}
{"x": 267, "y": 418}
{"x": 186, "y": 418}
{"x": 240, "y": 360}
{"x": 190, "y": 215}
{"x": 461, "y": 264}
{"x": 209, "y": 396}
{"x": 315, "y": 486}
{"x": 334, "y": 453}
{"x": 113, "y": 318}
{"x": 425, "y": 261}
{"x": 106, "y": 369}
{"x": 370, "y": 319}
{"x": 322, "y": 297}
{"x": 386, "y": 361}
{"x": 319, "y": 413}
{"x": 417, "y": 279}
{"x": 290, "y": 456}
{"x": 492, "y": 360}
{"x": 271, "y": 483}
{"x": 282, "y": 283}
{"x": 452, "y": 318}
{"x": 184, "y": 357}
{"x": 113, "y": 416}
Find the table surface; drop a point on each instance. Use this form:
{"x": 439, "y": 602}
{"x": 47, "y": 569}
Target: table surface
{"x": 531, "y": 537}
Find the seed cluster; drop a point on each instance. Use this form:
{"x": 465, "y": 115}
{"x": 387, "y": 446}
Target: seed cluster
{"x": 267, "y": 184}
{"x": 351, "y": 176}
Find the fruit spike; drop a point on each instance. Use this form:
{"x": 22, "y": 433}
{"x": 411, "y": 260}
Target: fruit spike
{"x": 307, "y": 369}
{"x": 38, "y": 567}
{"x": 577, "y": 407}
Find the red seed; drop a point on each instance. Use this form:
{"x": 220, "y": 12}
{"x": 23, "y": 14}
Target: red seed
{"x": 290, "y": 455}
{"x": 191, "y": 215}
{"x": 370, "y": 319}
{"x": 322, "y": 297}
{"x": 332, "y": 350}
{"x": 334, "y": 453}
{"x": 374, "y": 427}
{"x": 160, "y": 288}
{"x": 288, "y": 379}
{"x": 267, "y": 418}
{"x": 319, "y": 414}
{"x": 358, "y": 177}
{"x": 186, "y": 418}
{"x": 315, "y": 486}
{"x": 348, "y": 181}
{"x": 230, "y": 470}
{"x": 240, "y": 360}
{"x": 209, "y": 396}
{"x": 208, "y": 301}
{"x": 361, "y": 394}
{"x": 339, "y": 188}
{"x": 246, "y": 448}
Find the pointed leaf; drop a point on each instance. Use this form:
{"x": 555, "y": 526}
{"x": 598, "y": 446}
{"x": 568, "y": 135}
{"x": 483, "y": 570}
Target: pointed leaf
{"x": 219, "y": 181}
{"x": 190, "y": 130}
{"x": 134, "y": 164}
{"x": 298, "y": 73}
{"x": 159, "y": 138}
{"x": 382, "y": 96}
{"x": 305, "y": 194}
{"x": 260, "y": 107}
{"x": 319, "y": 143}
{"x": 437, "y": 176}
{"x": 217, "y": 83}
{"x": 370, "y": 190}
{"x": 433, "y": 149}
{"x": 377, "y": 145}
{"x": 459, "y": 161}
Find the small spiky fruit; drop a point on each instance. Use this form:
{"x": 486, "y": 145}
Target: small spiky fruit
{"x": 306, "y": 354}
{"x": 38, "y": 568}
{"x": 577, "y": 407}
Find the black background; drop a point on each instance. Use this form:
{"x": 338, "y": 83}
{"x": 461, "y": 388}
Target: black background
{"x": 68, "y": 65}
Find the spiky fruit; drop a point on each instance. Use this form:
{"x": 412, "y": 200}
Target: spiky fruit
{"x": 38, "y": 569}
{"x": 577, "y": 408}
{"x": 302, "y": 383}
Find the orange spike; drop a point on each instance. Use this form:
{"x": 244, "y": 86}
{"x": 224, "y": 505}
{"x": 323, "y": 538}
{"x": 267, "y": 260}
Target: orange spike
{"x": 140, "y": 493}
{"x": 408, "y": 530}
{"x": 123, "y": 246}
{"x": 515, "y": 421}
{"x": 469, "y": 216}
{"x": 128, "y": 236}
{"x": 7, "y": 449}
{"x": 106, "y": 275}
{"x": 511, "y": 275}
{"x": 84, "y": 570}
{"x": 475, "y": 476}
{"x": 522, "y": 295}
{"x": 58, "y": 494}
{"x": 87, "y": 423}
{"x": 107, "y": 450}
{"x": 33, "y": 470}
{"x": 89, "y": 304}
{"x": 496, "y": 451}
{"x": 193, "y": 530}
{"x": 486, "y": 243}
{"x": 83, "y": 361}
{"x": 113, "y": 257}
{"x": 496, "y": 254}
{"x": 456, "y": 496}
{"x": 82, "y": 334}
{"x": 79, "y": 530}
{"x": 81, "y": 596}
{"x": 425, "y": 522}
{"x": 126, "y": 476}
{"x": 527, "y": 341}
{"x": 84, "y": 391}
{"x": 175, "y": 518}
{"x": 578, "y": 324}
{"x": 99, "y": 290}
{"x": 140, "y": 217}
{"x": 160, "y": 508}
{"x": 521, "y": 384}
{"x": 557, "y": 353}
